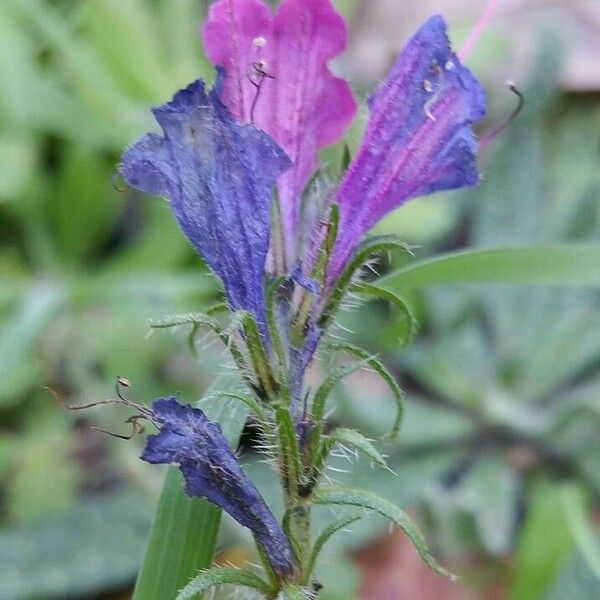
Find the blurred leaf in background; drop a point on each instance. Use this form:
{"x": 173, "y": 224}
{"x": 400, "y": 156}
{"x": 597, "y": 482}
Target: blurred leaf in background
{"x": 82, "y": 269}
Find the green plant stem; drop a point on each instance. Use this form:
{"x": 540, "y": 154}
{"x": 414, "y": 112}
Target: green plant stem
{"x": 300, "y": 529}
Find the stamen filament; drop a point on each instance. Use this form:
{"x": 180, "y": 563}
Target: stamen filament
{"x": 477, "y": 32}
{"x": 494, "y": 133}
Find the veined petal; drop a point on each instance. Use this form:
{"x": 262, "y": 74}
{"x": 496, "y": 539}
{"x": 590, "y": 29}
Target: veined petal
{"x": 219, "y": 176}
{"x": 419, "y": 138}
{"x": 300, "y": 103}
{"x": 197, "y": 445}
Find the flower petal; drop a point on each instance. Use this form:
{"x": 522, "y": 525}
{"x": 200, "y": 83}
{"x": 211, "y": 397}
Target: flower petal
{"x": 219, "y": 176}
{"x": 197, "y": 445}
{"x": 148, "y": 165}
{"x": 419, "y": 138}
{"x": 300, "y": 103}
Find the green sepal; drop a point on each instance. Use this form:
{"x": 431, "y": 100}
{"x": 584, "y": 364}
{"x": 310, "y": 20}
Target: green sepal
{"x": 346, "y": 160}
{"x": 295, "y": 592}
{"x": 320, "y": 401}
{"x": 271, "y": 298}
{"x": 277, "y": 235}
{"x": 344, "y": 496}
{"x": 197, "y": 320}
{"x": 322, "y": 393}
{"x": 217, "y": 576}
{"x": 351, "y": 437}
{"x": 325, "y": 536}
{"x": 319, "y": 274}
{"x": 286, "y": 525}
{"x": 320, "y": 269}
{"x": 266, "y": 564}
{"x": 258, "y": 353}
{"x": 255, "y": 407}
{"x": 365, "y": 250}
{"x": 399, "y": 303}
{"x": 290, "y": 453}
{"x": 383, "y": 372}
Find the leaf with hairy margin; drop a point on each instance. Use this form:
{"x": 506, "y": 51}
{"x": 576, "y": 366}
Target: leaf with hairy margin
{"x": 217, "y": 576}
{"x": 346, "y": 496}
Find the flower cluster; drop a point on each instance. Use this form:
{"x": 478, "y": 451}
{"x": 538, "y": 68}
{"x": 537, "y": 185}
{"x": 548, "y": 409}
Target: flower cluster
{"x": 234, "y": 163}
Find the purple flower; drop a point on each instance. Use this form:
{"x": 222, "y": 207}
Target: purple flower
{"x": 419, "y": 137}
{"x": 190, "y": 440}
{"x": 219, "y": 176}
{"x": 277, "y": 77}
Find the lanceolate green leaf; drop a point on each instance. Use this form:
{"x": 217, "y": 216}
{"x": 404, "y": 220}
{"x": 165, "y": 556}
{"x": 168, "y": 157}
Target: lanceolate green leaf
{"x": 197, "y": 320}
{"x": 361, "y": 498}
{"x": 222, "y": 576}
{"x": 185, "y": 530}
{"x": 560, "y": 265}
{"x": 401, "y": 305}
{"x": 347, "y": 437}
{"x": 326, "y": 535}
{"x": 368, "y": 248}
{"x": 377, "y": 366}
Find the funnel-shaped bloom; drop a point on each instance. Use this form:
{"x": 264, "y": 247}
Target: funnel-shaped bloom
{"x": 219, "y": 176}
{"x": 419, "y": 137}
{"x": 277, "y": 77}
{"x": 197, "y": 445}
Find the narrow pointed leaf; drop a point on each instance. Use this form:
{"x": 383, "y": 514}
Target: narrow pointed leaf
{"x": 355, "y": 497}
{"x": 327, "y": 534}
{"x": 198, "y": 320}
{"x": 375, "y": 364}
{"x": 367, "y": 249}
{"x": 217, "y": 576}
{"x": 348, "y": 437}
{"x": 396, "y": 301}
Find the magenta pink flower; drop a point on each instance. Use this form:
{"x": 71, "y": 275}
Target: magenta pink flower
{"x": 278, "y": 78}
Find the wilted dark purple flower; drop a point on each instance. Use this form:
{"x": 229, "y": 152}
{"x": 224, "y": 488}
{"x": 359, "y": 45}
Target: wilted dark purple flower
{"x": 198, "y": 447}
{"x": 219, "y": 176}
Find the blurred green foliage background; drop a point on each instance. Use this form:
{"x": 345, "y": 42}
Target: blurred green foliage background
{"x": 500, "y": 452}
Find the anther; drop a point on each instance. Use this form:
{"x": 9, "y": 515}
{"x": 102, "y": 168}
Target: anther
{"x": 259, "y": 42}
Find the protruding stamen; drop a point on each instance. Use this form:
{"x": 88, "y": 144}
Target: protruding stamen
{"x": 145, "y": 412}
{"x": 136, "y": 428}
{"x": 496, "y": 131}
{"x": 257, "y": 77}
{"x": 480, "y": 27}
